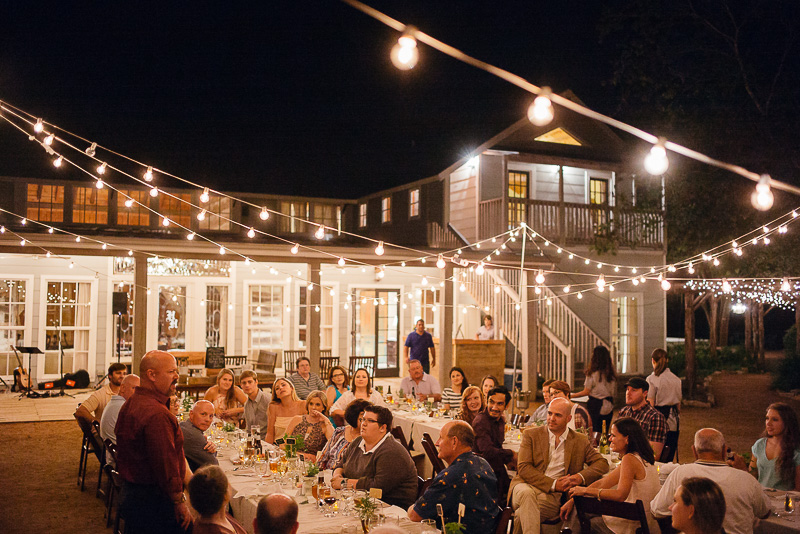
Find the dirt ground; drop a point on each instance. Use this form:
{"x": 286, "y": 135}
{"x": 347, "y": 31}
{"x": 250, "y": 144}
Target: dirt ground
{"x": 39, "y": 462}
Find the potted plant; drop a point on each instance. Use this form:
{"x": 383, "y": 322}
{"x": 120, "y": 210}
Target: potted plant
{"x": 309, "y": 477}
{"x": 294, "y": 444}
{"x": 366, "y": 509}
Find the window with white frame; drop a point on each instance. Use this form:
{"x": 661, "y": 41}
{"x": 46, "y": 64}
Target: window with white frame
{"x": 67, "y": 326}
{"x": 625, "y": 332}
{"x": 171, "y": 317}
{"x": 216, "y": 305}
{"x": 425, "y": 307}
{"x": 386, "y": 210}
{"x": 265, "y": 317}
{"x": 413, "y": 203}
{"x": 12, "y": 322}
{"x": 217, "y": 214}
{"x": 326, "y": 318}
{"x": 362, "y": 215}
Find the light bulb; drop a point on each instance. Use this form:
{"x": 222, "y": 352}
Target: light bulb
{"x": 320, "y": 233}
{"x": 665, "y": 285}
{"x": 90, "y": 151}
{"x": 50, "y": 230}
{"x": 101, "y": 169}
{"x": 222, "y": 250}
{"x": 424, "y": 280}
{"x": 251, "y": 233}
{"x": 405, "y": 54}
{"x": 58, "y": 161}
{"x": 381, "y": 273}
{"x": 22, "y": 243}
{"x": 24, "y": 222}
{"x": 379, "y": 249}
{"x": 611, "y": 289}
{"x": 129, "y": 203}
{"x": 190, "y": 237}
{"x": 691, "y": 268}
{"x": 202, "y": 215}
{"x": 99, "y": 184}
{"x": 462, "y": 287}
{"x": 762, "y": 198}
{"x": 726, "y": 286}
{"x": 295, "y": 248}
{"x": 785, "y": 285}
{"x": 310, "y": 286}
{"x": 540, "y": 277}
{"x": 72, "y": 265}
{"x": 715, "y": 262}
{"x": 49, "y": 139}
{"x": 264, "y": 215}
{"x": 48, "y": 254}
{"x": 571, "y": 256}
{"x": 148, "y": 174}
{"x": 541, "y": 110}
{"x": 341, "y": 262}
{"x": 165, "y": 221}
{"x": 601, "y": 282}
{"x": 204, "y": 195}
{"x": 77, "y": 239}
{"x": 656, "y": 161}
{"x": 635, "y": 281}
{"x": 316, "y": 308}
{"x": 154, "y": 192}
{"x": 479, "y": 270}
{"x": 497, "y": 289}
{"x": 39, "y": 126}
{"x": 105, "y": 246}
{"x": 537, "y": 290}
{"x": 440, "y": 262}
{"x": 580, "y": 295}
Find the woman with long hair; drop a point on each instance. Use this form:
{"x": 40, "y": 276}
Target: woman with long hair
{"x": 314, "y": 425}
{"x": 362, "y": 389}
{"x": 228, "y": 399}
{"x": 451, "y": 396}
{"x": 284, "y": 406}
{"x": 343, "y": 435}
{"x": 487, "y": 383}
{"x": 665, "y": 396}
{"x": 338, "y": 383}
{"x": 636, "y": 478}
{"x": 777, "y": 454}
{"x": 600, "y": 385}
{"x": 472, "y": 403}
{"x": 699, "y": 507}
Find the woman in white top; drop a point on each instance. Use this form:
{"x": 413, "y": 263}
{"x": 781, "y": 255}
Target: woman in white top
{"x": 635, "y": 479}
{"x": 600, "y": 385}
{"x": 362, "y": 389}
{"x": 451, "y": 397}
{"x": 486, "y": 331}
{"x": 665, "y": 396}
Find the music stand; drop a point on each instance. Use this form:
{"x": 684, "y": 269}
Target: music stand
{"x": 30, "y": 351}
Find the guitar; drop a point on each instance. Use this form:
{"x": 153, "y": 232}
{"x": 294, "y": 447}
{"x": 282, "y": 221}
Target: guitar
{"x": 22, "y": 382}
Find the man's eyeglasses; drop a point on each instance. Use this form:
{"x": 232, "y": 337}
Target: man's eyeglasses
{"x": 365, "y": 420}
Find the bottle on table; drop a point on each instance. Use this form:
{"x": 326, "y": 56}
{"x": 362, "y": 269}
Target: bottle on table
{"x": 603, "y": 445}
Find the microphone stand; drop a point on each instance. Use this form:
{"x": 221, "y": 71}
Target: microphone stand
{"x": 61, "y": 393}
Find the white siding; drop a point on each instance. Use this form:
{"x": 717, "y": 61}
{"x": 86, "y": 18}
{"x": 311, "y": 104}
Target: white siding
{"x": 464, "y": 202}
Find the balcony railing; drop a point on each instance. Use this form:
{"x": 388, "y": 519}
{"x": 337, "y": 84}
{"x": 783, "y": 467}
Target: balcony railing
{"x": 570, "y": 223}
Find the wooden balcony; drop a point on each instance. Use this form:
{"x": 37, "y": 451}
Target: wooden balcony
{"x": 569, "y": 224}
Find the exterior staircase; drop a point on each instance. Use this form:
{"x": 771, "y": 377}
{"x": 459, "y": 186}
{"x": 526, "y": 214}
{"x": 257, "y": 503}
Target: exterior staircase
{"x": 562, "y": 338}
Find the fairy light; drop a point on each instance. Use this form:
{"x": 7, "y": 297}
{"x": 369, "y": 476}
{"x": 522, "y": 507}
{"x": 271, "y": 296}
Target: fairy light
{"x": 379, "y": 249}
{"x": 39, "y": 126}
{"x": 129, "y": 203}
{"x": 165, "y": 221}
{"x": 691, "y": 268}
{"x": 99, "y": 184}
{"x": 222, "y": 250}
{"x": 264, "y": 215}
{"x": 440, "y": 263}
{"x": 341, "y": 262}
{"x": 295, "y": 248}
{"x": 762, "y": 198}
{"x": 320, "y": 233}
{"x": 202, "y": 215}
{"x": 541, "y": 110}
{"x": 251, "y": 233}
{"x": 50, "y": 230}
{"x": 635, "y": 281}
{"x": 665, "y": 285}
{"x": 716, "y": 262}
{"x": 78, "y": 239}
{"x": 148, "y": 174}
{"x": 49, "y": 139}
{"x": 405, "y": 54}
{"x": 58, "y": 162}
{"x": 91, "y": 150}
{"x": 726, "y": 286}
{"x": 580, "y": 295}
{"x": 656, "y": 162}
{"x": 479, "y": 270}
{"x": 424, "y": 280}
{"x": 539, "y": 277}
{"x": 462, "y": 287}
{"x": 601, "y": 282}
{"x": 565, "y": 289}
{"x": 101, "y": 169}
{"x": 497, "y": 289}
{"x": 22, "y": 242}
{"x": 537, "y": 290}
{"x": 785, "y": 285}
{"x": 154, "y": 192}
{"x": 204, "y": 195}
{"x": 190, "y": 236}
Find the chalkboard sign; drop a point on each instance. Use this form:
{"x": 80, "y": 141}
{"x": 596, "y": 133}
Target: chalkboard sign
{"x": 215, "y": 357}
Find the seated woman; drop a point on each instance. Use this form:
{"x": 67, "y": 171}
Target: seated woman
{"x": 699, "y": 507}
{"x": 284, "y": 406}
{"x": 580, "y": 416}
{"x": 777, "y": 454}
{"x": 472, "y": 403}
{"x": 338, "y": 383}
{"x": 228, "y": 400}
{"x": 488, "y": 382}
{"x": 315, "y": 427}
{"x": 635, "y": 479}
{"x": 362, "y": 389}
{"x": 451, "y": 397}
{"x": 343, "y": 435}
{"x": 209, "y": 496}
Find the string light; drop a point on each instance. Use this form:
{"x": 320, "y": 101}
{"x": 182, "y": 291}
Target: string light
{"x": 295, "y": 248}
{"x": 440, "y": 262}
{"x": 202, "y": 215}
{"x": 762, "y": 198}
{"x": 99, "y": 184}
{"x": 479, "y": 270}
{"x": 222, "y": 250}
{"x": 379, "y": 249}
{"x": 726, "y": 286}
{"x": 39, "y": 126}
{"x": 190, "y": 236}
{"x": 165, "y": 221}
{"x": 656, "y": 162}
{"x": 785, "y": 285}
{"x": 148, "y": 174}
{"x": 539, "y": 277}
{"x": 91, "y": 150}
{"x": 264, "y": 215}
{"x": 251, "y": 233}
{"x": 129, "y": 203}
{"x": 341, "y": 262}
{"x": 320, "y": 233}
{"x": 101, "y": 169}
{"x": 49, "y": 139}
{"x": 405, "y": 54}
{"x": 665, "y": 285}
{"x": 58, "y": 161}
{"x": 601, "y": 282}
{"x": 204, "y": 195}
{"x": 154, "y": 192}
{"x": 541, "y": 110}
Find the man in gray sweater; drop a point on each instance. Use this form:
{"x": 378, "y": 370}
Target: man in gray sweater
{"x": 377, "y": 460}
{"x": 197, "y": 449}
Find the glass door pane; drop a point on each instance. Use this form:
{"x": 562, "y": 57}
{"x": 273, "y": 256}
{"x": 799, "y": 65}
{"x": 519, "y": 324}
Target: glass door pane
{"x": 171, "y": 317}
{"x": 378, "y": 328}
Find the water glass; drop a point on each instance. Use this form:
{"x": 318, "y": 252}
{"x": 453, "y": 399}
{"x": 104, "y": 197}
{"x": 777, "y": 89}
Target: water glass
{"x": 429, "y": 525}
{"x": 261, "y": 469}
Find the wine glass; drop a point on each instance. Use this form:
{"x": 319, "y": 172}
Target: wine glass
{"x": 329, "y": 500}
{"x": 261, "y": 469}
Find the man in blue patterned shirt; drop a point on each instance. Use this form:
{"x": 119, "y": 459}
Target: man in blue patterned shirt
{"x": 468, "y": 479}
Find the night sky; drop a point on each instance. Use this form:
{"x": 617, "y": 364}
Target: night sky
{"x": 285, "y": 97}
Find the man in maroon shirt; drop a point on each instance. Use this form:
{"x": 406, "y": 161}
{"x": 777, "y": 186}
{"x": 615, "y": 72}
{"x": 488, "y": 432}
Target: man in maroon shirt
{"x": 490, "y": 431}
{"x": 150, "y": 452}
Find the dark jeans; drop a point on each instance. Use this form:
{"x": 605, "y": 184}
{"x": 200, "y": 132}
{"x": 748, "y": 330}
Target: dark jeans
{"x": 147, "y": 510}
{"x": 593, "y": 407}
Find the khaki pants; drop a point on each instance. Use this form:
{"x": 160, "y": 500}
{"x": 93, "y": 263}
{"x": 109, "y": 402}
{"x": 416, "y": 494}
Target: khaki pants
{"x": 531, "y": 505}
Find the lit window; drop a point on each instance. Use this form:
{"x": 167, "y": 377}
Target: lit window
{"x": 413, "y": 203}
{"x": 386, "y": 210}
{"x": 90, "y": 205}
{"x": 137, "y": 214}
{"x": 362, "y": 215}
{"x": 218, "y": 214}
{"x": 45, "y": 203}
{"x": 177, "y": 207}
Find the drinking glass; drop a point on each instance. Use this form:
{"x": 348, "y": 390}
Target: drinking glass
{"x": 346, "y": 504}
{"x": 429, "y": 525}
{"x": 330, "y": 500}
{"x": 274, "y": 461}
{"x": 261, "y": 468}
{"x": 255, "y": 430}
{"x": 323, "y": 491}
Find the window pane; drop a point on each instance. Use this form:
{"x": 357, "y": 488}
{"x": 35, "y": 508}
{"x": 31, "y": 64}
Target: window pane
{"x": 176, "y": 207}
{"x": 136, "y": 214}
{"x": 45, "y": 203}
{"x": 90, "y": 205}
{"x": 218, "y": 214}
{"x": 171, "y": 317}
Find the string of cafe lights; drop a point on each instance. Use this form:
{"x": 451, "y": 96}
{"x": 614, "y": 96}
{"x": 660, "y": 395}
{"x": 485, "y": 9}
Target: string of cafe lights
{"x": 405, "y": 55}
{"x": 781, "y": 293}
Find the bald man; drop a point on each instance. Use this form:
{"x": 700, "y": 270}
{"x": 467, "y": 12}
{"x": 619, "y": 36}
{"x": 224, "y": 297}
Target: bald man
{"x": 551, "y": 460}
{"x": 197, "y": 449}
{"x": 109, "y": 419}
{"x": 276, "y": 514}
{"x": 150, "y": 455}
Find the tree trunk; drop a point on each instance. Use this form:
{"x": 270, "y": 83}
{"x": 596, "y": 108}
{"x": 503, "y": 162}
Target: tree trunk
{"x": 724, "y": 321}
{"x": 748, "y": 329}
{"x": 761, "y": 352}
{"x": 797, "y": 327}
{"x": 691, "y": 360}
{"x": 713, "y": 327}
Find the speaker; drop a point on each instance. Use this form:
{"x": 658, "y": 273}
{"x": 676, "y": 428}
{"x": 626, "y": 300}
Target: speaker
{"x": 119, "y": 302}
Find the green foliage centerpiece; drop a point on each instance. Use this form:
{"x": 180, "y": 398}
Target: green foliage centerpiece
{"x": 366, "y": 509}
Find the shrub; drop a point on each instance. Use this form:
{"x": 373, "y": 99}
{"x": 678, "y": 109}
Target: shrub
{"x": 731, "y": 358}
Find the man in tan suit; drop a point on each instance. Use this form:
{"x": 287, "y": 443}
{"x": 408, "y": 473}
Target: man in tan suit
{"x": 551, "y": 460}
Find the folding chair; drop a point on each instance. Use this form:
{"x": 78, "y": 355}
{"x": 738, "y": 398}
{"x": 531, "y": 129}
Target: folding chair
{"x": 433, "y": 454}
{"x": 626, "y": 510}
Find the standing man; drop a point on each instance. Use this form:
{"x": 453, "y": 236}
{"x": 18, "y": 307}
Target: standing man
{"x": 490, "y": 429}
{"x": 467, "y": 479}
{"x": 637, "y": 407}
{"x": 197, "y": 449}
{"x": 255, "y": 408}
{"x": 417, "y": 345}
{"x": 304, "y": 380}
{"x": 109, "y": 419}
{"x": 92, "y": 408}
{"x": 421, "y": 383}
{"x": 150, "y": 456}
{"x": 551, "y": 460}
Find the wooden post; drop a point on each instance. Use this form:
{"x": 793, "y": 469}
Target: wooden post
{"x": 139, "y": 310}
{"x": 797, "y": 327}
{"x": 762, "y": 359}
{"x": 313, "y": 299}
{"x": 748, "y": 329}
{"x": 724, "y": 321}
{"x": 562, "y": 216}
{"x": 713, "y": 323}
{"x": 445, "y": 358}
{"x": 691, "y": 360}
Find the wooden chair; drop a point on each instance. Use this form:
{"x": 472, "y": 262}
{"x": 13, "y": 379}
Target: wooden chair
{"x": 266, "y": 361}
{"x": 626, "y": 510}
{"x": 290, "y": 361}
{"x": 370, "y": 363}
{"x": 235, "y": 361}
{"x": 504, "y": 521}
{"x": 422, "y": 485}
{"x": 433, "y": 454}
{"x": 326, "y": 353}
{"x": 417, "y": 457}
{"x": 326, "y": 363}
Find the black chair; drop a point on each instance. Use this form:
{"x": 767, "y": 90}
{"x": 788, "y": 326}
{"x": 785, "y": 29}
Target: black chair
{"x": 290, "y": 361}
{"x": 504, "y": 521}
{"x": 370, "y": 363}
{"x": 666, "y": 455}
{"x": 326, "y": 363}
{"x": 113, "y": 487}
{"x": 88, "y": 447}
{"x": 433, "y": 454}
{"x": 626, "y": 510}
{"x": 100, "y": 452}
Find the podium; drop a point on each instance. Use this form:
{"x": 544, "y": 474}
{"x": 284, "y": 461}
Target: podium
{"x": 479, "y": 358}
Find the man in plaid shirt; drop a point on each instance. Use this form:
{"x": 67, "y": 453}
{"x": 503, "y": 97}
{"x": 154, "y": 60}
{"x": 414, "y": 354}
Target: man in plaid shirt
{"x": 637, "y": 407}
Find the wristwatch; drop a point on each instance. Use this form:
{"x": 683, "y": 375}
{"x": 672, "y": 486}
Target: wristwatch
{"x": 180, "y": 500}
